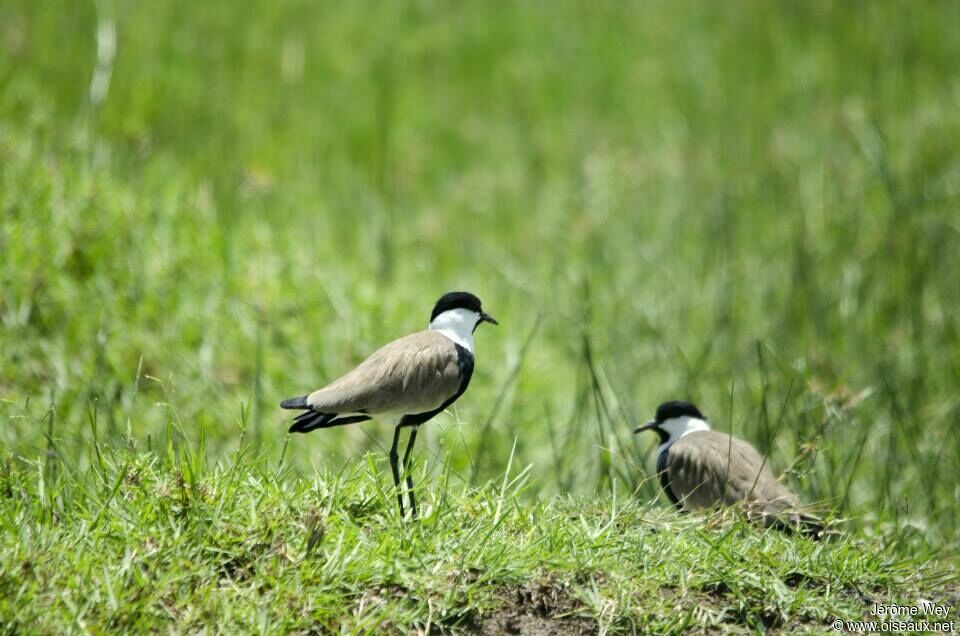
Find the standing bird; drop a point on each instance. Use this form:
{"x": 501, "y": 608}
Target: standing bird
{"x": 410, "y": 380}
{"x": 699, "y": 468}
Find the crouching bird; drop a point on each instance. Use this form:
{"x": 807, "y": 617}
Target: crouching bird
{"x": 700, "y": 468}
{"x": 409, "y": 381}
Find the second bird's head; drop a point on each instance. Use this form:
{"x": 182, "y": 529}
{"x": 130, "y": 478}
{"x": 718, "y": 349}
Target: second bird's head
{"x": 459, "y": 309}
{"x": 673, "y": 419}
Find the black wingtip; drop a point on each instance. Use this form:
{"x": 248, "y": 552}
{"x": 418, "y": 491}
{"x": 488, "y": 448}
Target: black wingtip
{"x": 295, "y": 403}
{"x": 309, "y": 420}
{"x": 297, "y": 427}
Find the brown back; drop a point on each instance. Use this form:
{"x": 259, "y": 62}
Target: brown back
{"x": 413, "y": 374}
{"x": 708, "y": 468}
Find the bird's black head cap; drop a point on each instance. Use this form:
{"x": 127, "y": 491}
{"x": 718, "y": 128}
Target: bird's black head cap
{"x": 456, "y": 300}
{"x": 669, "y": 411}
{"x": 676, "y": 408}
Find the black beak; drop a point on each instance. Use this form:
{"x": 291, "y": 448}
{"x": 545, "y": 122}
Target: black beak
{"x": 649, "y": 426}
{"x": 485, "y": 317}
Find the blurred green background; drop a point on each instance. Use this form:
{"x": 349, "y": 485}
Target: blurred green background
{"x": 208, "y": 207}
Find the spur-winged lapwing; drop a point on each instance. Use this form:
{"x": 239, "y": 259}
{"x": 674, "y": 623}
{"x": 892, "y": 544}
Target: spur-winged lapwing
{"x": 700, "y": 468}
{"x": 410, "y": 379}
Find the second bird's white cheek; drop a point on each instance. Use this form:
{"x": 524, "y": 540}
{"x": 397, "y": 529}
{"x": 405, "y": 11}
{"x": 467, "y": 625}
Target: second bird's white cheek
{"x": 680, "y": 426}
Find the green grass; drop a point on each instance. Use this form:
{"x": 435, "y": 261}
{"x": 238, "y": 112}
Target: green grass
{"x": 153, "y": 542}
{"x": 750, "y": 205}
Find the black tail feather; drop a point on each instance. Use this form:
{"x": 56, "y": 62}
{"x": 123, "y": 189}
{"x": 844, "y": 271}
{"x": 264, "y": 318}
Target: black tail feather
{"x": 295, "y": 403}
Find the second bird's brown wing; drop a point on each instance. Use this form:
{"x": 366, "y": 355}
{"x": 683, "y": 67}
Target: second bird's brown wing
{"x": 414, "y": 374}
{"x": 708, "y": 468}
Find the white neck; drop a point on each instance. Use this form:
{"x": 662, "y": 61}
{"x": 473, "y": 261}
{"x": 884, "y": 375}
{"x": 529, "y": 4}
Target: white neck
{"x": 458, "y": 325}
{"x": 677, "y": 427}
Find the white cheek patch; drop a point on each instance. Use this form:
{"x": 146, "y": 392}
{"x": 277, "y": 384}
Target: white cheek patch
{"x": 458, "y": 325}
{"x": 677, "y": 427}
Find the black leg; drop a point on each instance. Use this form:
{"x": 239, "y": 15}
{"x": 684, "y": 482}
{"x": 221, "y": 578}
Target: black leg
{"x": 406, "y": 471}
{"x": 393, "y": 464}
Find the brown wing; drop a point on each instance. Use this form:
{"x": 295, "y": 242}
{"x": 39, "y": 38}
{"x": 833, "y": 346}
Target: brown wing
{"x": 708, "y": 468}
{"x": 413, "y": 374}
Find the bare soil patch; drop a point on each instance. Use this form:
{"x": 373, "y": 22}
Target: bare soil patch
{"x": 536, "y": 609}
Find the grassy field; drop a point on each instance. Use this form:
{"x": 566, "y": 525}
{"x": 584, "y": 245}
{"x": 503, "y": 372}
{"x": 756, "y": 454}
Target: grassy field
{"x": 206, "y": 209}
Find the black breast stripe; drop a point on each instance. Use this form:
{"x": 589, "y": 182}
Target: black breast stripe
{"x": 664, "y": 476}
